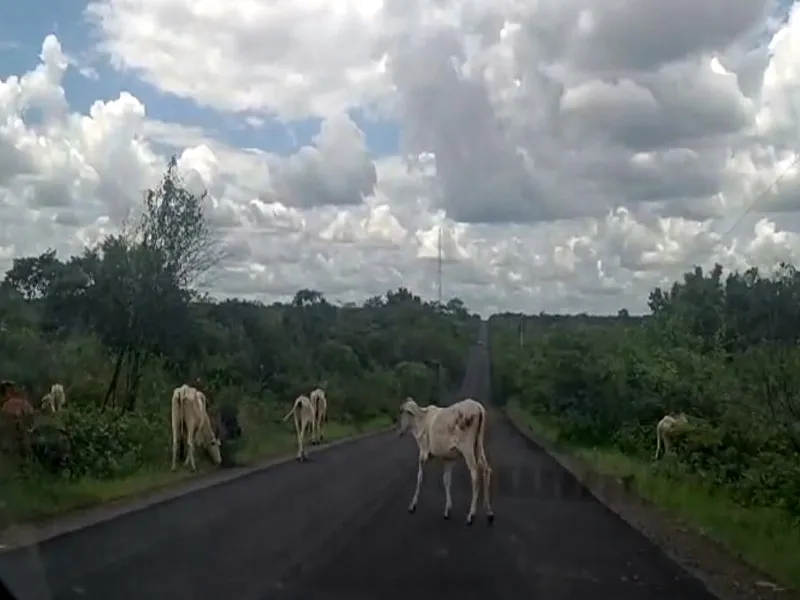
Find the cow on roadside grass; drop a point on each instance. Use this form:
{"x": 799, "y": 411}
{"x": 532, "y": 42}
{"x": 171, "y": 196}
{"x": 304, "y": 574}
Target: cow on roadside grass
{"x": 444, "y": 433}
{"x": 320, "y": 403}
{"x": 54, "y": 400}
{"x": 303, "y": 411}
{"x": 667, "y": 428}
{"x": 190, "y": 422}
{"x": 17, "y": 415}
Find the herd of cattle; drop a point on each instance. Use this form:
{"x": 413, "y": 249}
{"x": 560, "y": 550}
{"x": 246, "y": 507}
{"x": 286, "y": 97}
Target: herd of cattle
{"x": 192, "y": 425}
{"x": 441, "y": 433}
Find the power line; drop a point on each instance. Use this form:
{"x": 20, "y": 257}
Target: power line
{"x": 758, "y": 197}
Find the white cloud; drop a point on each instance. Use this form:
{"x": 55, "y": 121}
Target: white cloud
{"x": 574, "y": 155}
{"x": 298, "y": 57}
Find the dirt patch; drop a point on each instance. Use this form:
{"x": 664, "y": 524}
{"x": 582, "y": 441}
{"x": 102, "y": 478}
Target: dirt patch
{"x": 726, "y": 576}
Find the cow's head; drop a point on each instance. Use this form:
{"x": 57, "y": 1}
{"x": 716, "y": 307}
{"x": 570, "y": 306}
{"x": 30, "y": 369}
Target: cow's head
{"x": 405, "y": 419}
{"x": 214, "y": 450}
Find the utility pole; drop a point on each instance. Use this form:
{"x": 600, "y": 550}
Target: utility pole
{"x": 439, "y": 282}
{"x": 522, "y": 331}
{"x": 439, "y": 266}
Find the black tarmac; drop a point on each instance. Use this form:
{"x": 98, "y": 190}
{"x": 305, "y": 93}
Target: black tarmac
{"x": 337, "y": 528}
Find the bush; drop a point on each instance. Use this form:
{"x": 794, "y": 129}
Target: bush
{"x": 711, "y": 348}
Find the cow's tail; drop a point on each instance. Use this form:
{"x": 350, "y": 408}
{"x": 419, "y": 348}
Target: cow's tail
{"x": 291, "y": 412}
{"x": 478, "y": 449}
{"x": 658, "y": 441}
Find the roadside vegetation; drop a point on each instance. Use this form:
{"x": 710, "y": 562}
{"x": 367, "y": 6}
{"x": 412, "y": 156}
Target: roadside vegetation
{"x": 722, "y": 349}
{"x": 124, "y": 323}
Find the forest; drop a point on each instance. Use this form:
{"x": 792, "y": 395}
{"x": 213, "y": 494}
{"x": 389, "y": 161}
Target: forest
{"x": 124, "y": 323}
{"x": 721, "y": 348}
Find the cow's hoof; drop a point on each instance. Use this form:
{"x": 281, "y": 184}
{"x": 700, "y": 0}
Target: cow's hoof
{"x": 490, "y": 519}
{"x": 446, "y": 516}
{"x": 412, "y": 509}
{"x": 470, "y": 519}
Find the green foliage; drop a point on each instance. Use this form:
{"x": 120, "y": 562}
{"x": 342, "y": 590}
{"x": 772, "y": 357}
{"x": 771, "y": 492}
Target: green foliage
{"x": 121, "y": 325}
{"x": 722, "y": 350}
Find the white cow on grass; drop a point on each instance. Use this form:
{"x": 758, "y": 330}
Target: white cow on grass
{"x": 443, "y": 433}
{"x": 303, "y": 411}
{"x": 54, "y": 400}
{"x": 667, "y": 428}
{"x": 190, "y": 422}
{"x": 320, "y": 403}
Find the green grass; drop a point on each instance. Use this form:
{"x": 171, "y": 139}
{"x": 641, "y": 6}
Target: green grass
{"x": 766, "y": 538}
{"x": 32, "y": 499}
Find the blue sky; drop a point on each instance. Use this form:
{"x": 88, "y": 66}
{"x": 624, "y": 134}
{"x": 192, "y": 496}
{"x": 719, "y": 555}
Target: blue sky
{"x": 25, "y": 24}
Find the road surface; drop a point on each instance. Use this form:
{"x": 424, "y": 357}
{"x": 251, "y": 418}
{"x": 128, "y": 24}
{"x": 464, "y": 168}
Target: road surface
{"x": 336, "y": 528}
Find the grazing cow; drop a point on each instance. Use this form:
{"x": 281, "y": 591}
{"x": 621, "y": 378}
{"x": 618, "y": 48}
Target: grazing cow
{"x": 53, "y": 401}
{"x": 303, "y": 411}
{"x": 666, "y": 429}
{"x": 16, "y": 413}
{"x": 190, "y": 421}
{"x": 320, "y": 403}
{"x": 443, "y": 433}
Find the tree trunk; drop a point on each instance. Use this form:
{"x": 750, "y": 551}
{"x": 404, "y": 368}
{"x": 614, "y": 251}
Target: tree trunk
{"x": 134, "y": 378}
{"x": 111, "y": 392}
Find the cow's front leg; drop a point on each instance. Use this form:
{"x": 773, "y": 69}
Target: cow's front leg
{"x": 447, "y": 479}
{"x": 420, "y": 465}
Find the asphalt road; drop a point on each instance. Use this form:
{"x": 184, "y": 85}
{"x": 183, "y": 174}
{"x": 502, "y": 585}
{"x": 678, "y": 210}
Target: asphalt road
{"x": 337, "y": 528}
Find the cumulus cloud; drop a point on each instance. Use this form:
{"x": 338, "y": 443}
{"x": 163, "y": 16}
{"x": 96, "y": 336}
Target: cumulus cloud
{"x": 336, "y": 170}
{"x": 569, "y": 155}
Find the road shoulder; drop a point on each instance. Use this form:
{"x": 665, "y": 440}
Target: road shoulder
{"x": 725, "y": 576}
{"x": 29, "y": 534}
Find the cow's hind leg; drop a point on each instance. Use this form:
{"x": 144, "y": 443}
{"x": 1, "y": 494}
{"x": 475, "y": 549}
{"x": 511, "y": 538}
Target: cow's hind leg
{"x": 304, "y": 426}
{"x": 176, "y": 435}
{"x": 190, "y": 449}
{"x": 299, "y": 433}
{"x": 474, "y": 474}
{"x": 447, "y": 479}
{"x": 487, "y": 485}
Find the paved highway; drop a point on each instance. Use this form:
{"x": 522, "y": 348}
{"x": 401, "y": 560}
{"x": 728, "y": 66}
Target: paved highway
{"x": 336, "y": 528}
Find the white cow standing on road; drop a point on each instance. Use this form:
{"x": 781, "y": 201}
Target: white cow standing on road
{"x": 320, "y": 403}
{"x": 443, "y": 433}
{"x": 190, "y": 420}
{"x": 303, "y": 411}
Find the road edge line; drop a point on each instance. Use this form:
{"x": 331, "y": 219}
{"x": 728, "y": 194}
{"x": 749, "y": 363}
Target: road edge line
{"x": 21, "y": 536}
{"x": 598, "y": 486}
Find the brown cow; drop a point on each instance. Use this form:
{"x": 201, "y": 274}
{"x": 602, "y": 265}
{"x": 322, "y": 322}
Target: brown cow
{"x": 16, "y": 414}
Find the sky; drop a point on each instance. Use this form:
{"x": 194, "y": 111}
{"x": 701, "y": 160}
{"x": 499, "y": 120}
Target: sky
{"x": 575, "y": 154}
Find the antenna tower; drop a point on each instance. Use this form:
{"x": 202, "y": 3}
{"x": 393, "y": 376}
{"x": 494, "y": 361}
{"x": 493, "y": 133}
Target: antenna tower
{"x": 439, "y": 266}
